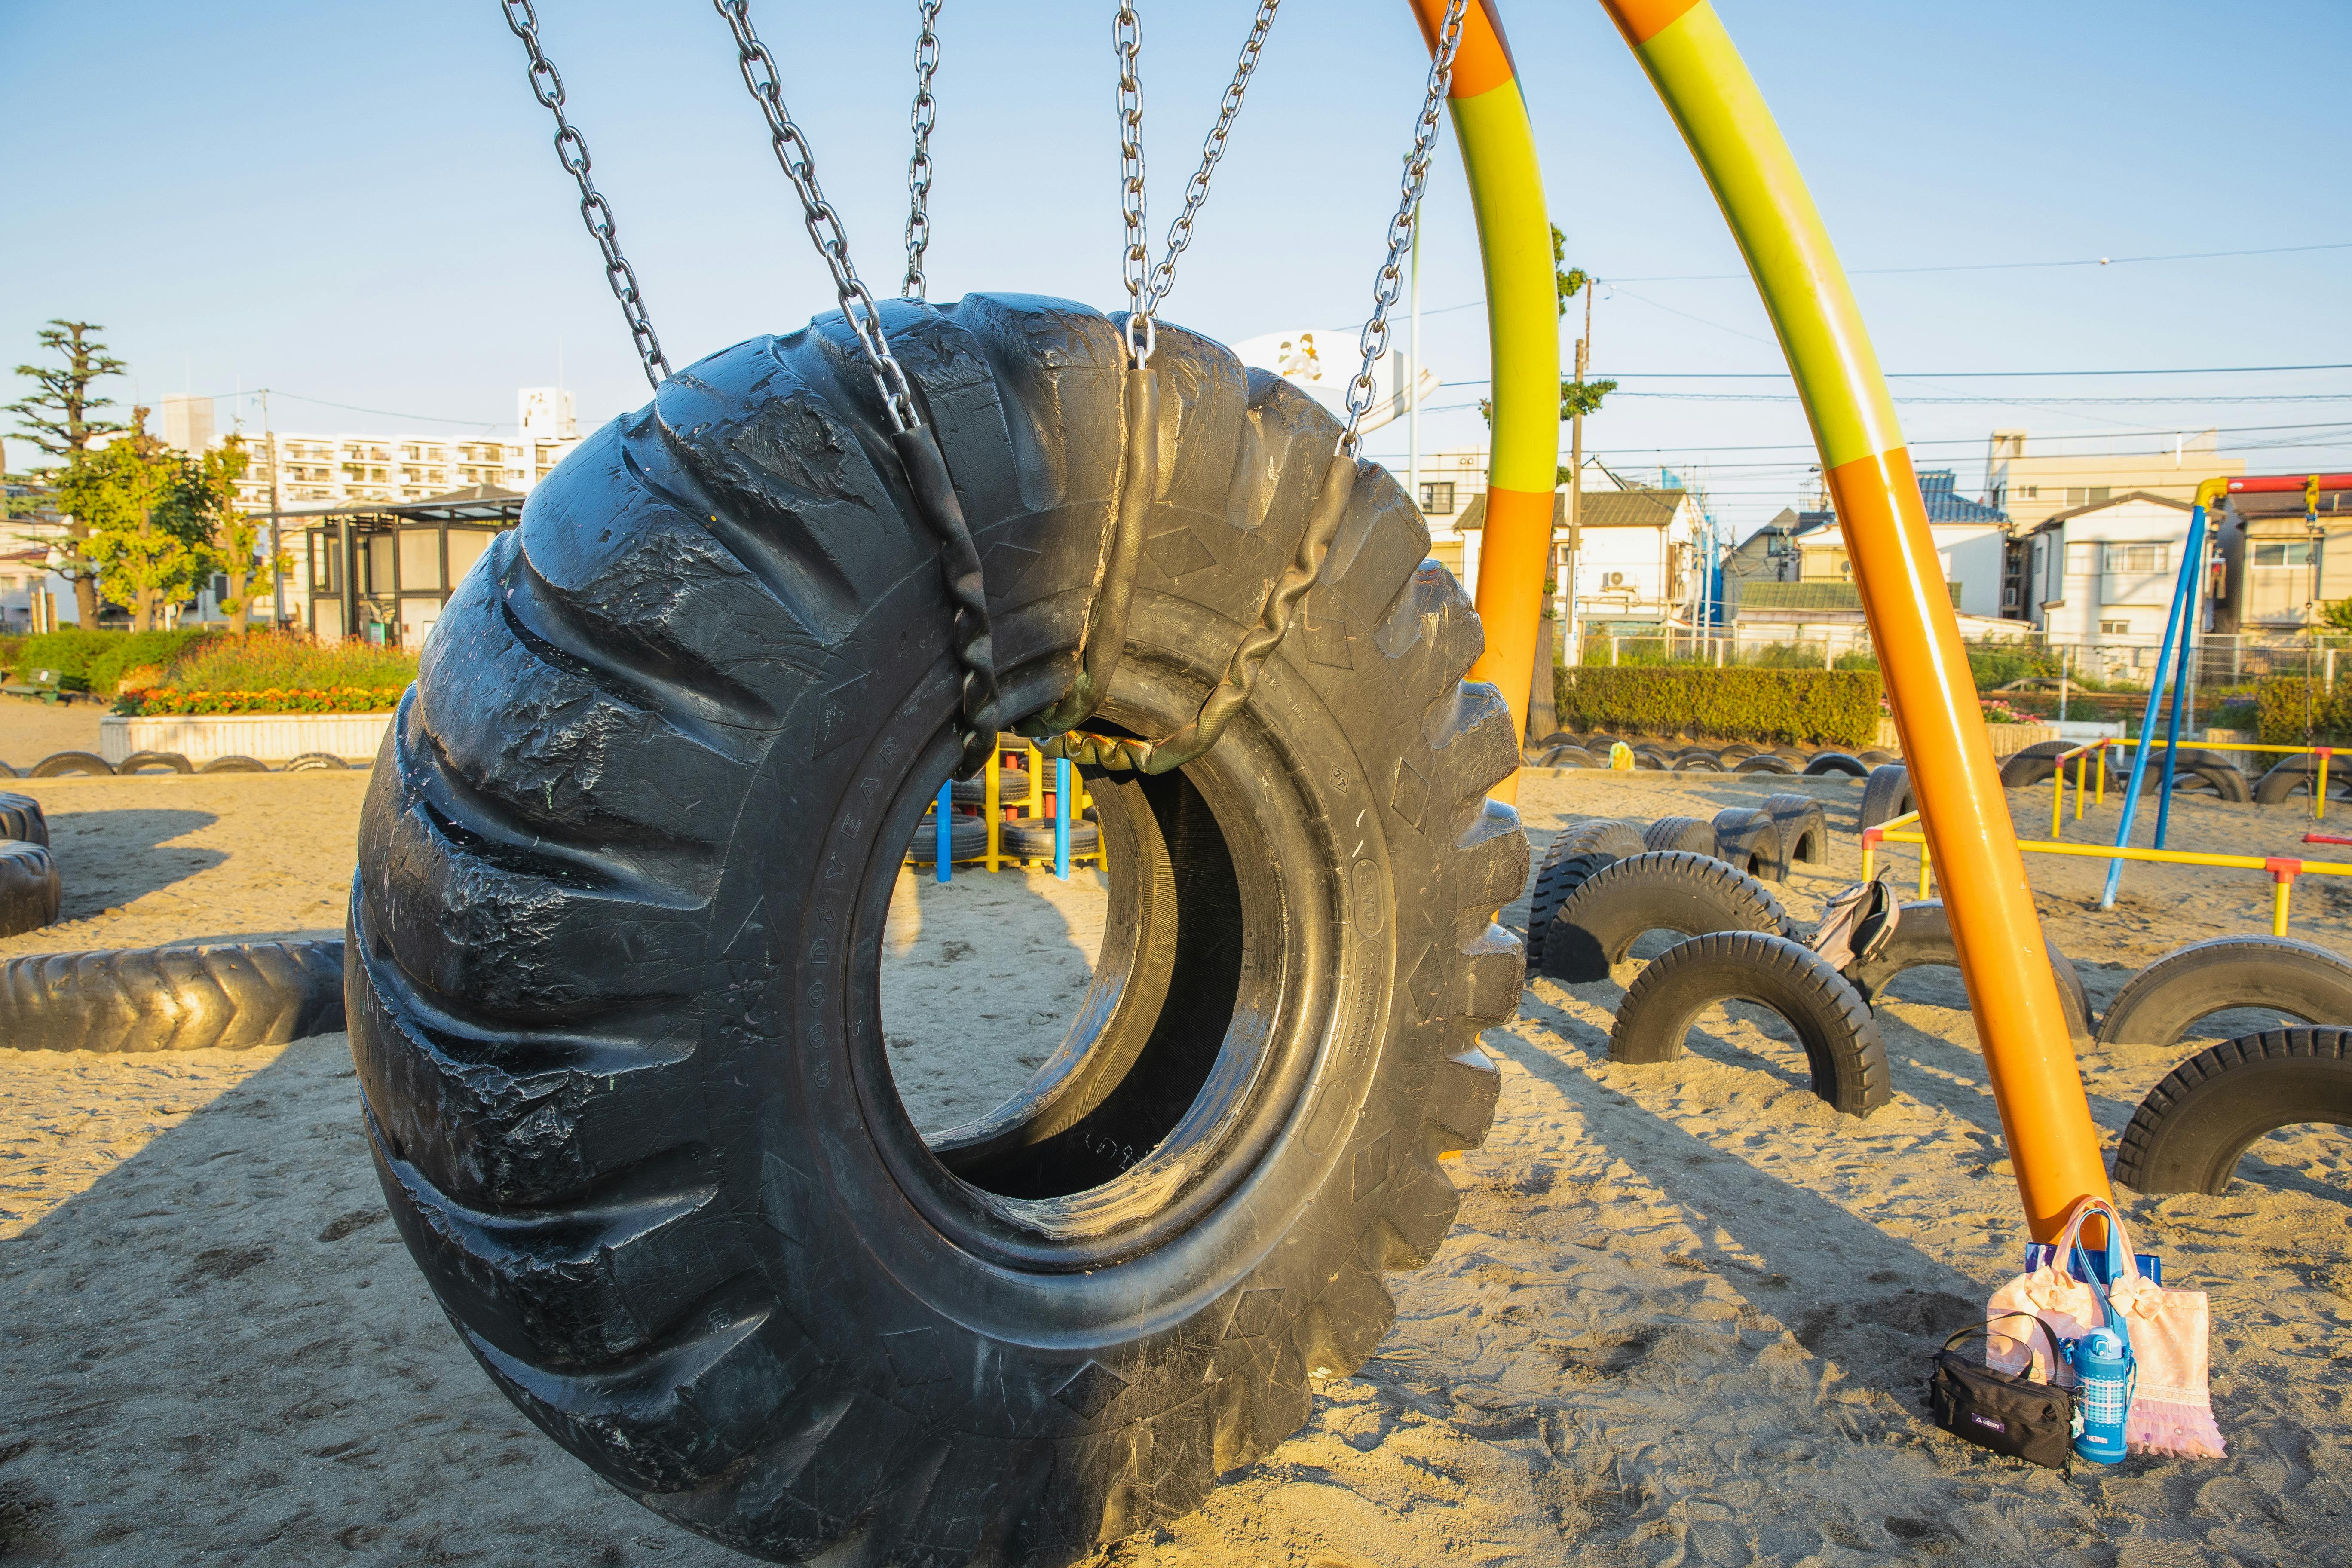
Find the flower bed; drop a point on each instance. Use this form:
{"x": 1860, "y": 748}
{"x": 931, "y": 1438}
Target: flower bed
{"x": 163, "y": 701}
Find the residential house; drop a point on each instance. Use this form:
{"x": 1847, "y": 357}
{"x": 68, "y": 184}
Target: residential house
{"x": 1971, "y": 545}
{"x": 1767, "y": 555}
{"x": 2285, "y": 555}
{"x": 1640, "y": 555}
{"x": 2104, "y": 574}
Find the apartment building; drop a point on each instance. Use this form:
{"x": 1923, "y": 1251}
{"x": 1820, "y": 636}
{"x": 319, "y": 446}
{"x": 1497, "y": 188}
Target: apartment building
{"x": 2032, "y": 486}
{"x": 315, "y": 470}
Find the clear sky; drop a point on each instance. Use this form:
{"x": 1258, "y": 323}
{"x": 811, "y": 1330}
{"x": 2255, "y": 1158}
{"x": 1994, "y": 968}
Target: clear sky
{"x": 358, "y": 204}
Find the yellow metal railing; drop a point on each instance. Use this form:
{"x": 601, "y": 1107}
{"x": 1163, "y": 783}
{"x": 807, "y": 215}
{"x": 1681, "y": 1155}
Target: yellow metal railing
{"x": 2283, "y": 869}
{"x": 2079, "y": 757}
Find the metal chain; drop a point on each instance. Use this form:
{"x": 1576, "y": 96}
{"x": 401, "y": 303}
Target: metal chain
{"x": 1179, "y": 232}
{"x": 1126, "y": 42}
{"x": 918, "y": 166}
{"x": 594, "y": 211}
{"x": 1390, "y": 280}
{"x": 799, "y": 165}
{"x": 1148, "y": 284}
{"x": 1238, "y": 684}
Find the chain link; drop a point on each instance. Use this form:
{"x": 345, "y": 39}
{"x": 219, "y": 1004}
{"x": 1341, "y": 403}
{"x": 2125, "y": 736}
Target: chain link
{"x": 1126, "y": 42}
{"x": 1148, "y": 284}
{"x": 918, "y": 166}
{"x": 1386, "y": 287}
{"x": 594, "y": 211}
{"x": 799, "y": 165}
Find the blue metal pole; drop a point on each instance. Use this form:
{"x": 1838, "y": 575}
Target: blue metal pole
{"x": 945, "y": 811}
{"x": 2181, "y": 674}
{"x": 1062, "y": 818}
{"x": 2155, "y": 696}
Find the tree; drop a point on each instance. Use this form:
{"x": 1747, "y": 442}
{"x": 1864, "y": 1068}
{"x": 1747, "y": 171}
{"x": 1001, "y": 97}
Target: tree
{"x": 201, "y": 504}
{"x": 145, "y": 541}
{"x": 57, "y": 417}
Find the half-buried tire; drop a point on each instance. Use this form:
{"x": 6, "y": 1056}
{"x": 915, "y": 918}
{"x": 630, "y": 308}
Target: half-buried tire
{"x": 59, "y": 764}
{"x": 1751, "y": 841}
{"x": 1804, "y": 829}
{"x": 1679, "y": 833}
{"x": 1842, "y": 1049}
{"x": 30, "y": 893}
{"x": 21, "y": 818}
{"x": 2033, "y": 765}
{"x": 1576, "y": 851}
{"x": 1922, "y": 937}
{"x": 624, "y": 871}
{"x": 2188, "y": 1133}
{"x": 230, "y": 996}
{"x": 2298, "y": 775}
{"x": 2284, "y": 977}
{"x": 1887, "y": 794}
{"x": 1598, "y": 925}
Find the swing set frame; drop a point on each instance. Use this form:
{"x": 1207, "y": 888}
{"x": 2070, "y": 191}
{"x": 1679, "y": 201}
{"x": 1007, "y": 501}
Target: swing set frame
{"x": 1713, "y": 98}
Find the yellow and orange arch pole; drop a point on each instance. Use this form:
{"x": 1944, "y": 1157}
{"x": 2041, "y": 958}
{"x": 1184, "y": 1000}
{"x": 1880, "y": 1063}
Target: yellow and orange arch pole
{"x": 1709, "y": 90}
{"x": 1498, "y": 154}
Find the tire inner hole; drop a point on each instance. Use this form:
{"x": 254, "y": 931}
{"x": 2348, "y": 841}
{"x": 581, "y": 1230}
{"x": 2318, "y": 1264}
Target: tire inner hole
{"x": 1045, "y": 1035}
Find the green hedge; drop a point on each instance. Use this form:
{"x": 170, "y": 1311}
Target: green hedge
{"x": 2287, "y": 709}
{"x": 1839, "y": 708}
{"x": 97, "y": 659}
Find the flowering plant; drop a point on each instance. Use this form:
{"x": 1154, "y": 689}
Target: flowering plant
{"x": 332, "y": 700}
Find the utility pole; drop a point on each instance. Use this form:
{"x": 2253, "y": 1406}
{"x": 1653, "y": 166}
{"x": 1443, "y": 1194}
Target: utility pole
{"x": 277, "y": 560}
{"x": 1575, "y": 650}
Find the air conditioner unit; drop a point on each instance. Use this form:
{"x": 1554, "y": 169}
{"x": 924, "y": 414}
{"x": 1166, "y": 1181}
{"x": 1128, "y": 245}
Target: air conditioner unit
{"x": 1616, "y": 579}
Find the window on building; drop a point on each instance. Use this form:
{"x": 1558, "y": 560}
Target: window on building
{"x": 2115, "y": 628}
{"x": 2283, "y": 552}
{"x": 1437, "y": 498}
{"x": 2135, "y": 558}
{"x": 2032, "y": 492}
{"x": 2082, "y": 560}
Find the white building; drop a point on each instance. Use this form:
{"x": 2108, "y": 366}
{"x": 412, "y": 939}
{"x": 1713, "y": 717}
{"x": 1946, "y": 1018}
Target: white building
{"x": 2102, "y": 575}
{"x": 328, "y": 470}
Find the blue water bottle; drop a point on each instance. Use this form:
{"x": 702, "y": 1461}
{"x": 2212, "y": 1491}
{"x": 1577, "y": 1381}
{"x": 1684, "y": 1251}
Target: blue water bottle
{"x": 2102, "y": 1359}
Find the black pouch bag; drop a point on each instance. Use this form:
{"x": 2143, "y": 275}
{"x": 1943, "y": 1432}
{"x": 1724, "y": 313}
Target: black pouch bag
{"x": 2009, "y": 1413}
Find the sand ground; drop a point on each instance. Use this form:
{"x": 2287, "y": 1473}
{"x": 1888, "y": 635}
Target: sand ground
{"x": 1683, "y": 1316}
{"x": 31, "y": 729}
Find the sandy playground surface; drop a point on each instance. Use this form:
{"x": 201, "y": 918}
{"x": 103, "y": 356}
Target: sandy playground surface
{"x": 1683, "y": 1316}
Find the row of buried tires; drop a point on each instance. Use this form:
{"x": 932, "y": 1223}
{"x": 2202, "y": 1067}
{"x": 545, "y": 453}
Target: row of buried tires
{"x": 1604, "y": 883}
{"x": 2194, "y": 771}
{"x": 66, "y": 764}
{"x": 1562, "y": 749}
{"x": 1021, "y": 837}
{"x": 219, "y": 996}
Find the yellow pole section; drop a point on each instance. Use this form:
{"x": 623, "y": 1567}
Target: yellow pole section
{"x": 1499, "y": 156}
{"x": 1691, "y": 60}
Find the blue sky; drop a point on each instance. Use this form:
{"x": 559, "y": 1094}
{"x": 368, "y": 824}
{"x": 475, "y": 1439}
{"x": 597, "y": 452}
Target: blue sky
{"x": 358, "y": 204}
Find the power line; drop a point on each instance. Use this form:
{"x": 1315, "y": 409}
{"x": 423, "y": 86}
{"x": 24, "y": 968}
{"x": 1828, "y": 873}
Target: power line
{"x": 1979, "y": 440}
{"x": 354, "y": 408}
{"x": 2014, "y": 266}
{"x": 1963, "y": 267}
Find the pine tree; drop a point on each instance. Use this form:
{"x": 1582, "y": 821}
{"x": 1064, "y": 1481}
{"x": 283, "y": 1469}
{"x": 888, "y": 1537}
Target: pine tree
{"x": 59, "y": 419}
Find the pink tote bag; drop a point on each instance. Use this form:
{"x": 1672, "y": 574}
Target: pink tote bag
{"x": 2172, "y": 1410}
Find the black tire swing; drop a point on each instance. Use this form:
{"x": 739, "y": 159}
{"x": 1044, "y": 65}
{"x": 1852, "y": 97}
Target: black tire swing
{"x": 624, "y": 868}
